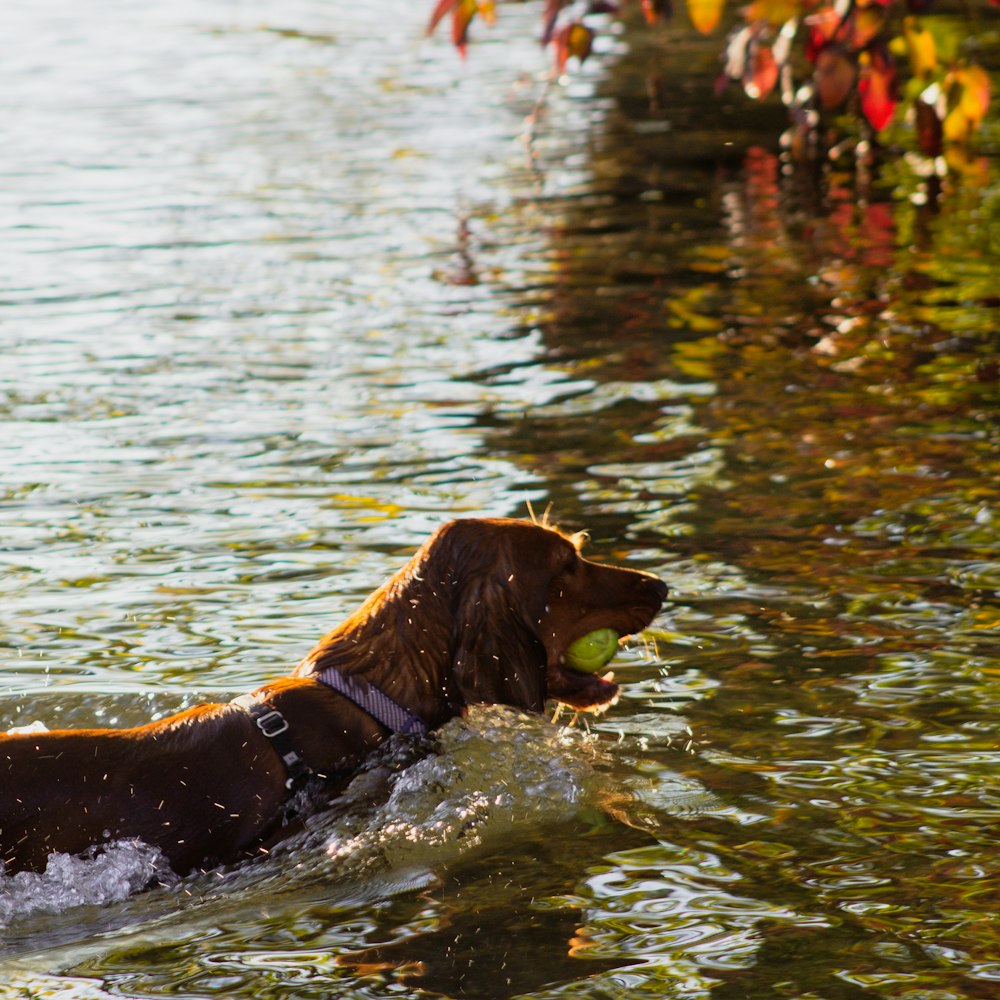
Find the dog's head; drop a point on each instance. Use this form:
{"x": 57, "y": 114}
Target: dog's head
{"x": 522, "y": 593}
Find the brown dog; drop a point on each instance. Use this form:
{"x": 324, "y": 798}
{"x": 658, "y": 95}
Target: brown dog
{"x": 483, "y": 612}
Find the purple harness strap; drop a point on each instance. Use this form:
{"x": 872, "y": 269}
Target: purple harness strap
{"x": 369, "y": 699}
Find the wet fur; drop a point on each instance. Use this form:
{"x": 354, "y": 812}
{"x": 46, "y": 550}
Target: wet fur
{"x": 483, "y": 612}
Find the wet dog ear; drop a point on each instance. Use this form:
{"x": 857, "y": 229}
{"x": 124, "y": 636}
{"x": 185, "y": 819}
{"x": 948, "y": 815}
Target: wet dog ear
{"x": 498, "y": 659}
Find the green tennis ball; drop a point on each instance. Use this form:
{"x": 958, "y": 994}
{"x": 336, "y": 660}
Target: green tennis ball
{"x": 592, "y": 651}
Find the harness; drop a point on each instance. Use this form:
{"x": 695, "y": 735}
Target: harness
{"x": 367, "y": 697}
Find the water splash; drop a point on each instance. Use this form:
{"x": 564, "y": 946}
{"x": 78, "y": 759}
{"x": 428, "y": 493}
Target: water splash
{"x": 490, "y": 775}
{"x": 495, "y": 772}
{"x": 108, "y": 875}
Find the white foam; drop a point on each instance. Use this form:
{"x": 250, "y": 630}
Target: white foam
{"x": 118, "y": 870}
{"x": 497, "y": 772}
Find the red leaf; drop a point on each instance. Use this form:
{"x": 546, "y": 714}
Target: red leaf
{"x": 552, "y": 8}
{"x": 877, "y": 89}
{"x": 655, "y": 10}
{"x": 442, "y": 8}
{"x": 822, "y": 26}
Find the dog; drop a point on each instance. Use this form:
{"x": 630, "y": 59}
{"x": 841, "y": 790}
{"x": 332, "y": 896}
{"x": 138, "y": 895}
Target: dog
{"x": 482, "y": 613}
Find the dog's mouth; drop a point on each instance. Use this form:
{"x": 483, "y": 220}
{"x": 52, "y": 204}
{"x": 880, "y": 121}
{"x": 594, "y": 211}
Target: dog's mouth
{"x": 595, "y": 691}
{"x": 584, "y": 692}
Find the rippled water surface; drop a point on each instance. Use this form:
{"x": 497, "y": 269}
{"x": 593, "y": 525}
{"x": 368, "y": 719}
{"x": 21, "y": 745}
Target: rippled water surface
{"x": 283, "y": 286}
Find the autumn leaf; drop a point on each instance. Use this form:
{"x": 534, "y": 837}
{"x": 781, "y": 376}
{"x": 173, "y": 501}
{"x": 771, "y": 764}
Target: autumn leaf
{"x": 820, "y": 28}
{"x": 655, "y": 10}
{"x": 920, "y": 47}
{"x": 442, "y": 8}
{"x": 775, "y": 12}
{"x": 864, "y": 24}
{"x": 552, "y": 8}
{"x": 975, "y": 97}
{"x": 487, "y": 10}
{"x": 834, "y": 77}
{"x": 968, "y": 97}
{"x": 877, "y": 85}
{"x": 705, "y": 14}
{"x": 763, "y": 74}
{"x": 462, "y": 14}
{"x": 574, "y": 39}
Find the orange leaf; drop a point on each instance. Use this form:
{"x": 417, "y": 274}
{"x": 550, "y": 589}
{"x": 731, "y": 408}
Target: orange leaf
{"x": 581, "y": 40}
{"x": 834, "y": 76}
{"x": 487, "y": 11}
{"x": 655, "y": 10}
{"x": 574, "y": 39}
{"x": 864, "y": 24}
{"x": 461, "y": 17}
{"x": 975, "y": 98}
{"x": 763, "y": 73}
{"x": 968, "y": 96}
{"x": 705, "y": 14}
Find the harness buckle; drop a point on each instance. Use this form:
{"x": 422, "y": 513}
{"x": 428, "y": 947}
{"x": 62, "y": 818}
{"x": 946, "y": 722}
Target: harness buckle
{"x": 272, "y": 724}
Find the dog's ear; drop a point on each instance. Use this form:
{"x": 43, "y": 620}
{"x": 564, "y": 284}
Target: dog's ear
{"x": 497, "y": 657}
{"x": 498, "y": 579}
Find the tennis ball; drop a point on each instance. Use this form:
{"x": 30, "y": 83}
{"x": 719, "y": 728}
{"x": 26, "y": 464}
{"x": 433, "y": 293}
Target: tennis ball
{"x": 592, "y": 651}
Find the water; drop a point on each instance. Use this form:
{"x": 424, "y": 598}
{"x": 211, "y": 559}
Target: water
{"x": 282, "y": 289}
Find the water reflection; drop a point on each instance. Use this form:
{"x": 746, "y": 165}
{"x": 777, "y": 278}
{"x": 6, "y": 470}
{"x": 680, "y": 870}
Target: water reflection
{"x": 273, "y": 313}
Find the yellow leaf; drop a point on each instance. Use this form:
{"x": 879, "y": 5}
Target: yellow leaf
{"x": 920, "y": 46}
{"x": 773, "y": 11}
{"x": 975, "y": 97}
{"x": 956, "y": 126}
{"x": 705, "y": 14}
